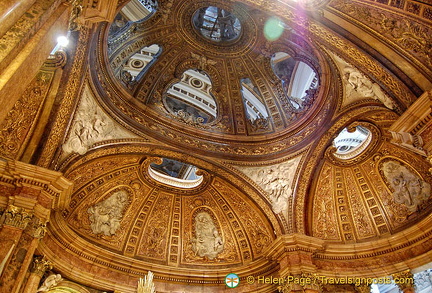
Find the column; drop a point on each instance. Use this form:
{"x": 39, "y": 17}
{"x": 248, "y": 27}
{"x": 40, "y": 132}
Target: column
{"x": 11, "y": 11}
{"x": 40, "y": 266}
{"x": 28, "y": 196}
{"x": 405, "y": 281}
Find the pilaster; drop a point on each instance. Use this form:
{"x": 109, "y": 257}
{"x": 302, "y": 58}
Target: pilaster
{"x": 29, "y": 195}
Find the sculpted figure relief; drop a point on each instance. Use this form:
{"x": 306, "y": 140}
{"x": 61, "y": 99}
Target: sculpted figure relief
{"x": 105, "y": 216}
{"x": 365, "y": 87}
{"x": 50, "y": 282}
{"x": 276, "y": 180}
{"x": 91, "y": 125}
{"x": 408, "y": 188}
{"x": 207, "y": 242}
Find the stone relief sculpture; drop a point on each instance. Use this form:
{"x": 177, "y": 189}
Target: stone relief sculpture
{"x": 358, "y": 86}
{"x": 207, "y": 242}
{"x": 50, "y": 282}
{"x": 91, "y": 125}
{"x": 408, "y": 188}
{"x": 365, "y": 87}
{"x": 105, "y": 216}
{"x": 276, "y": 180}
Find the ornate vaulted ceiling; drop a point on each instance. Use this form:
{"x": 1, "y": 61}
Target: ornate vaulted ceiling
{"x": 272, "y": 196}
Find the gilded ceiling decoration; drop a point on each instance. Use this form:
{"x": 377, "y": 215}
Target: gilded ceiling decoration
{"x": 119, "y": 208}
{"x": 270, "y": 188}
{"x": 249, "y": 56}
{"x": 409, "y": 35}
{"x": 375, "y": 196}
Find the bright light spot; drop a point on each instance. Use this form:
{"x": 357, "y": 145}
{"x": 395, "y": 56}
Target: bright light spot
{"x": 273, "y": 29}
{"x": 62, "y": 41}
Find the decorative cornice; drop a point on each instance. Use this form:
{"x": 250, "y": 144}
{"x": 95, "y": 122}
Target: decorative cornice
{"x": 52, "y": 183}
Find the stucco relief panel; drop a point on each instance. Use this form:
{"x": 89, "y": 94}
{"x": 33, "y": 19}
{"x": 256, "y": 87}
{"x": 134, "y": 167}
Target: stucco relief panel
{"x": 105, "y": 216}
{"x": 101, "y": 210}
{"x": 91, "y": 125}
{"x": 154, "y": 240}
{"x": 399, "y": 186}
{"x": 207, "y": 241}
{"x": 257, "y": 229}
{"x": 357, "y": 86}
{"x": 276, "y": 180}
{"x": 407, "y": 187}
{"x": 200, "y": 245}
{"x": 324, "y": 215}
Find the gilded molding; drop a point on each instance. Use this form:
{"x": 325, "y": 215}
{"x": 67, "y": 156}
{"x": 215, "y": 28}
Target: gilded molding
{"x": 72, "y": 89}
{"x": 16, "y": 129}
{"x": 400, "y": 30}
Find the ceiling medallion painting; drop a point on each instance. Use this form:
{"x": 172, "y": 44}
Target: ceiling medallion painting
{"x": 222, "y": 93}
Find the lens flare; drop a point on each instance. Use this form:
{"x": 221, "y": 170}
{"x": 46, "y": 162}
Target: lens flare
{"x": 273, "y": 29}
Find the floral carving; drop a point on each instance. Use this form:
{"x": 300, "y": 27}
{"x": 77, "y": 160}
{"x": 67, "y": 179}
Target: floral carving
{"x": 412, "y": 36}
{"x": 19, "y": 121}
{"x": 324, "y": 218}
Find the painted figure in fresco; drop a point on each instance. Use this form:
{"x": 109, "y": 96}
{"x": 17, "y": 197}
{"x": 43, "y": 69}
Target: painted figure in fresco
{"x": 207, "y": 242}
